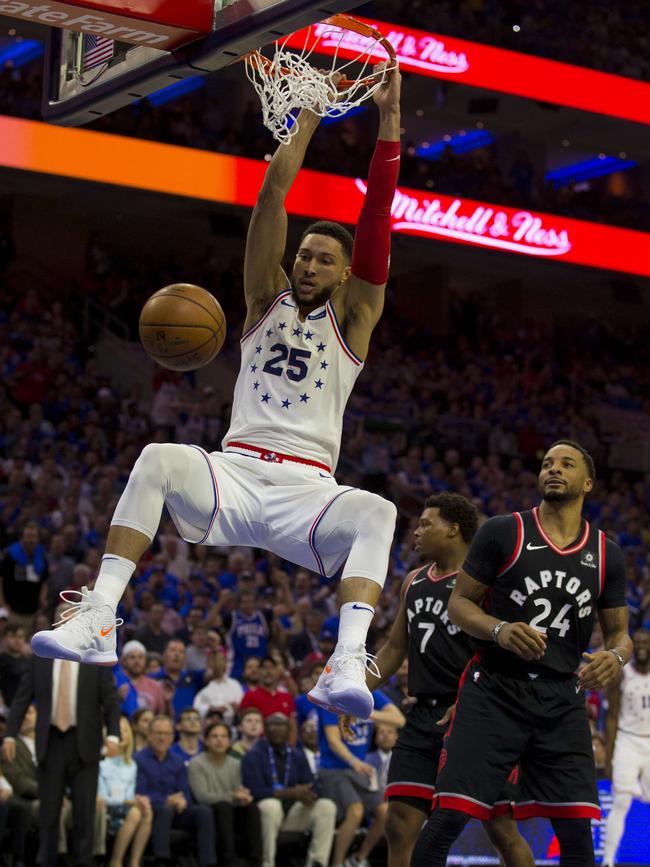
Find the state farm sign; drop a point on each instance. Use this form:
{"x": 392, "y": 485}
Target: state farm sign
{"x": 162, "y": 24}
{"x": 470, "y": 222}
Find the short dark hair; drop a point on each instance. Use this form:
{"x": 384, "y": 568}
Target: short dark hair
{"x": 174, "y": 640}
{"x": 332, "y": 230}
{"x": 216, "y": 725}
{"x": 247, "y": 711}
{"x": 589, "y": 461}
{"x": 456, "y": 509}
{"x": 186, "y": 712}
{"x": 161, "y": 717}
{"x": 12, "y": 627}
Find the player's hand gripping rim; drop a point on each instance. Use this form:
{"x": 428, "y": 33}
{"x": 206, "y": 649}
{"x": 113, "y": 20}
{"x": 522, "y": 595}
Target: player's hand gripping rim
{"x": 522, "y": 640}
{"x": 601, "y": 668}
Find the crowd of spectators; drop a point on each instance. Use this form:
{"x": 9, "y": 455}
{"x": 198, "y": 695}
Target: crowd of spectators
{"x": 470, "y": 416}
{"x": 597, "y": 34}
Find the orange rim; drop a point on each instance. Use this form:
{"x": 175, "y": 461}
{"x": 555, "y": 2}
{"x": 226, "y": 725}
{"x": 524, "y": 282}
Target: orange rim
{"x": 346, "y": 22}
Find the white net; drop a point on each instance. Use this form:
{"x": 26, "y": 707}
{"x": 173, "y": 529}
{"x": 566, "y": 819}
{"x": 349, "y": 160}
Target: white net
{"x": 289, "y": 82}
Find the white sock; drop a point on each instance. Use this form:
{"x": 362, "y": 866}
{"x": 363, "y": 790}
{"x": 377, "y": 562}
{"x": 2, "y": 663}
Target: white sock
{"x": 114, "y": 574}
{"x": 356, "y": 618}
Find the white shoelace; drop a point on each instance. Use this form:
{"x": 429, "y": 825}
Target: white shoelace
{"x": 84, "y": 605}
{"x": 357, "y": 662}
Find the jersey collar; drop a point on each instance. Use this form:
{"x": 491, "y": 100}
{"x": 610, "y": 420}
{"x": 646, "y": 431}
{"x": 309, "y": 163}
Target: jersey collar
{"x": 582, "y": 540}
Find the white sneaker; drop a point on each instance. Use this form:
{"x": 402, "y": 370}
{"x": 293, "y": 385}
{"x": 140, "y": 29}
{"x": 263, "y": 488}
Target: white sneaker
{"x": 341, "y": 688}
{"x": 85, "y": 632}
{"x": 354, "y": 862}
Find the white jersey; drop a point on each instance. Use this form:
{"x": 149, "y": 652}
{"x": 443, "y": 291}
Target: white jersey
{"x": 634, "y": 716}
{"x": 294, "y": 382}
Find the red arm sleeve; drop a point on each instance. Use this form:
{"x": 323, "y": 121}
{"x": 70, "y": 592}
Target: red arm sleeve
{"x": 371, "y": 253}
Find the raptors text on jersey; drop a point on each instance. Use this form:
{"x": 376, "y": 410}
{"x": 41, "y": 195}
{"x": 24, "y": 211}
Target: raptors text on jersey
{"x": 294, "y": 381}
{"x": 556, "y": 591}
{"x": 438, "y": 651}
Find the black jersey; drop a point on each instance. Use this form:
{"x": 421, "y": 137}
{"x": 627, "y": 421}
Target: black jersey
{"x": 556, "y": 591}
{"x": 438, "y": 650}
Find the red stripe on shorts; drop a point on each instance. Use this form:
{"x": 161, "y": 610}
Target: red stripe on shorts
{"x": 556, "y": 811}
{"x": 409, "y": 790}
{"x": 464, "y": 805}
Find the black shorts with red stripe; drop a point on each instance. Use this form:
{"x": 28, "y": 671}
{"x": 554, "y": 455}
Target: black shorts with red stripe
{"x": 501, "y": 720}
{"x": 414, "y": 760}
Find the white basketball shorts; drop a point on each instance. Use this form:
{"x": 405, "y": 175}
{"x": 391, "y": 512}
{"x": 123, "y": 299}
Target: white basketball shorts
{"x": 280, "y": 507}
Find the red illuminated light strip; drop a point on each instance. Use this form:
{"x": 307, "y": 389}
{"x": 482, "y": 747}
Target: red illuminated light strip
{"x": 144, "y": 165}
{"x": 492, "y": 68}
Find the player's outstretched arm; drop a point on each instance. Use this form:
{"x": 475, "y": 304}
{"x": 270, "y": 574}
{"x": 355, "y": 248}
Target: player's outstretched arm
{"x": 267, "y": 231}
{"x": 364, "y": 298}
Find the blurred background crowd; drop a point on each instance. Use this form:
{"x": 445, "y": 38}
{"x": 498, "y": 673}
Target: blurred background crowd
{"x": 462, "y": 393}
{"x": 471, "y": 416}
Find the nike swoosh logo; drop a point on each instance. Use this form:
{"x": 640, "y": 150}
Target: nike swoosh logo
{"x": 530, "y": 547}
{"x": 325, "y": 475}
{"x": 361, "y": 607}
{"x": 413, "y": 583}
{"x": 105, "y": 632}
{"x": 392, "y": 159}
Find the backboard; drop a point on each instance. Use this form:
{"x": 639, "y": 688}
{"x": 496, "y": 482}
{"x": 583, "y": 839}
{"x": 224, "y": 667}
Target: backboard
{"x": 88, "y": 75}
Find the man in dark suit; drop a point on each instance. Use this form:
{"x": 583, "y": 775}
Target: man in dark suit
{"x": 74, "y": 702}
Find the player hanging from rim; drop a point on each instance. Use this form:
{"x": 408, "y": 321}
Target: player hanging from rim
{"x": 437, "y": 654}
{"x": 304, "y": 344}
{"x": 547, "y": 573}
{"x": 627, "y": 731}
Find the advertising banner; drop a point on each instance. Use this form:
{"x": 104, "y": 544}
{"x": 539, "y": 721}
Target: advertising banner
{"x": 180, "y": 171}
{"x": 162, "y": 24}
{"x": 491, "y": 68}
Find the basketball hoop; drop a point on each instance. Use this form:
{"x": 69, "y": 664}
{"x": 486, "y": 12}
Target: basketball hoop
{"x": 289, "y": 82}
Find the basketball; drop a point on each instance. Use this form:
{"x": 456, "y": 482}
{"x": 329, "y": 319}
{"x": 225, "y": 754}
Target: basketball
{"x": 182, "y": 327}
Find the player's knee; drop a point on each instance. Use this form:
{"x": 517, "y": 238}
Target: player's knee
{"x": 503, "y": 833}
{"x": 369, "y": 511}
{"x": 397, "y": 827}
{"x": 160, "y": 461}
{"x": 372, "y": 517}
{"x": 379, "y": 513}
{"x": 622, "y": 800}
{"x": 151, "y": 460}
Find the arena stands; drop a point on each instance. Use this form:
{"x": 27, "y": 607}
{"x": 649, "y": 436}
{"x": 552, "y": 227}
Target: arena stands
{"x": 467, "y": 408}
